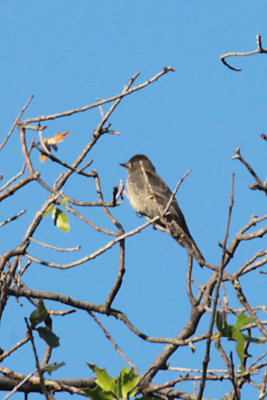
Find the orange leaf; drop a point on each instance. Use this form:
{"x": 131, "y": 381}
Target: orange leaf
{"x": 58, "y": 137}
{"x": 43, "y": 158}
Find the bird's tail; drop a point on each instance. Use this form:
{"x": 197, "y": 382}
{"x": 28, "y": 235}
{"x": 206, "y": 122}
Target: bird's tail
{"x": 183, "y": 237}
{"x": 189, "y": 244}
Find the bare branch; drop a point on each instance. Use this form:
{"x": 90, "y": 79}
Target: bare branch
{"x": 259, "y": 184}
{"x": 97, "y": 104}
{"x": 16, "y": 121}
{"x": 242, "y": 298}
{"x": 15, "y": 177}
{"x": 202, "y": 293}
{"x": 14, "y": 348}
{"x": 40, "y": 372}
{"x": 106, "y": 211}
{"x": 51, "y": 156}
{"x": 18, "y": 185}
{"x": 12, "y": 218}
{"x": 96, "y": 135}
{"x": 260, "y": 50}
{"x": 25, "y": 150}
{"x": 58, "y": 385}
{"x": 121, "y": 273}
{"x": 112, "y": 341}
{"x": 102, "y": 250}
{"x": 89, "y": 222}
{"x": 216, "y": 296}
{"x": 49, "y": 246}
{"x": 248, "y": 266}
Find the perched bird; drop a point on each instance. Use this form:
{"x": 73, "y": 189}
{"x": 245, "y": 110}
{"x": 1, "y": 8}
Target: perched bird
{"x": 149, "y": 196}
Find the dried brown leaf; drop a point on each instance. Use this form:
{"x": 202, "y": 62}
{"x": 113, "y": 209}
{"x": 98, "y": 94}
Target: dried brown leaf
{"x": 51, "y": 142}
{"x": 58, "y": 137}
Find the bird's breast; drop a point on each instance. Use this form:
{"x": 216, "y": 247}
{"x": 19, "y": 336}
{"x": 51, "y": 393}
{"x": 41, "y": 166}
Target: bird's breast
{"x": 140, "y": 198}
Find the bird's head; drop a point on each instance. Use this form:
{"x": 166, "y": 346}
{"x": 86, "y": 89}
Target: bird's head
{"x": 139, "y": 161}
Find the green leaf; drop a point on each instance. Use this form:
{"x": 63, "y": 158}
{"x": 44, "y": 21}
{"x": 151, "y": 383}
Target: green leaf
{"x": 233, "y": 333}
{"x": 55, "y": 212}
{"x": 103, "y": 379}
{"x": 253, "y": 339}
{"x": 54, "y": 367}
{"x": 223, "y": 327}
{"x": 48, "y": 210}
{"x": 127, "y": 380}
{"x": 65, "y": 199}
{"x": 240, "y": 346}
{"x": 242, "y": 320}
{"x": 219, "y": 320}
{"x": 60, "y": 219}
{"x": 40, "y": 314}
{"x": 62, "y": 222}
{"x": 98, "y": 394}
{"x": 49, "y": 337}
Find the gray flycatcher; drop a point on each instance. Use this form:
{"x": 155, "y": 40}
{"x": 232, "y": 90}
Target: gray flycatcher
{"x": 149, "y": 196}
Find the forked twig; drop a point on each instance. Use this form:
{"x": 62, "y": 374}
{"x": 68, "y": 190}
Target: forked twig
{"x": 260, "y": 50}
{"x": 259, "y": 184}
{"x": 97, "y": 104}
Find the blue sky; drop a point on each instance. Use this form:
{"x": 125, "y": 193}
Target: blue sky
{"x": 67, "y": 54}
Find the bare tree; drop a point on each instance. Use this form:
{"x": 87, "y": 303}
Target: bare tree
{"x": 209, "y": 299}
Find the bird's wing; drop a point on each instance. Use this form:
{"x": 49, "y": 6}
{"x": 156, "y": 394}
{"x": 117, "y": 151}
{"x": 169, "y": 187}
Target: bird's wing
{"x": 174, "y": 221}
{"x": 161, "y": 195}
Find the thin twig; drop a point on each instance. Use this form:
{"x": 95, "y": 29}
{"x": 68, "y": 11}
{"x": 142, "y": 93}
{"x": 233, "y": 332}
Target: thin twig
{"x": 14, "y": 348}
{"x": 93, "y": 203}
{"x": 85, "y": 166}
{"x": 51, "y": 156}
{"x": 238, "y": 156}
{"x": 233, "y": 378}
{"x": 21, "y": 383}
{"x": 96, "y": 253}
{"x": 175, "y": 191}
{"x": 25, "y": 150}
{"x": 97, "y": 104}
{"x": 32, "y": 128}
{"x": 89, "y": 222}
{"x": 242, "y": 298}
{"x": 40, "y": 372}
{"x": 263, "y": 389}
{"x": 260, "y": 50}
{"x": 112, "y": 341}
{"x": 18, "y": 185}
{"x": 100, "y": 108}
{"x": 83, "y": 305}
{"x": 105, "y": 209}
{"x": 49, "y": 246}
{"x": 189, "y": 281}
{"x": 98, "y": 132}
{"x": 16, "y": 121}
{"x": 216, "y": 296}
{"x": 17, "y": 175}
{"x": 248, "y": 266}
{"x": 58, "y": 385}
{"x": 12, "y": 218}
{"x": 118, "y": 282}
{"x": 199, "y": 371}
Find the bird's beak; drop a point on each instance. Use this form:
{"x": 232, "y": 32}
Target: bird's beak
{"x": 124, "y": 165}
